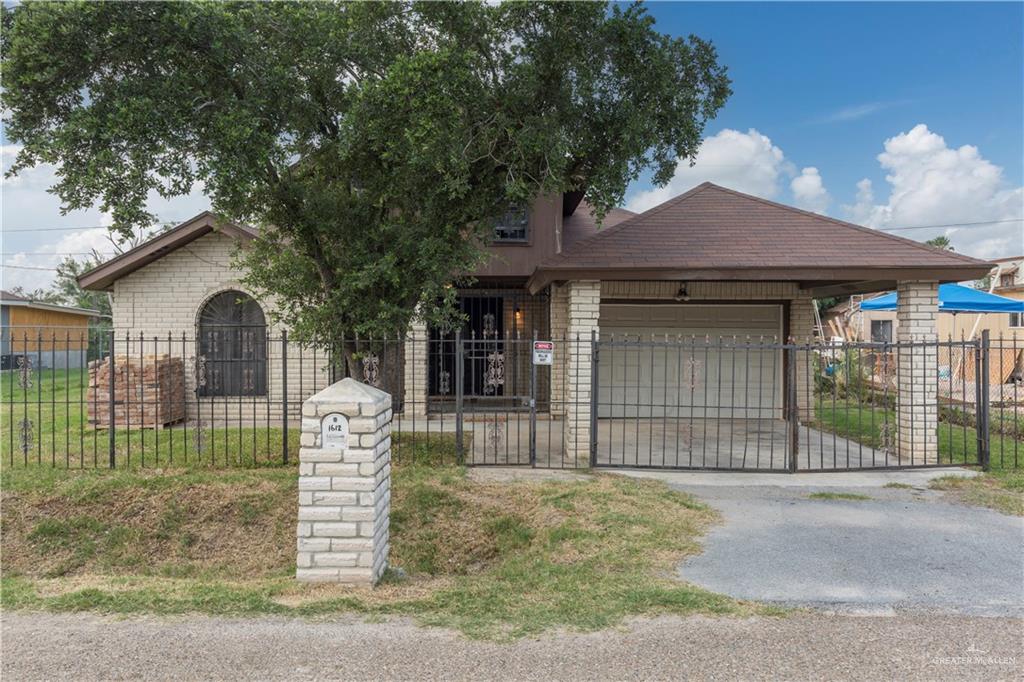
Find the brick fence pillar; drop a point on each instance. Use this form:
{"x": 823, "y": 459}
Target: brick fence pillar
{"x": 559, "y": 333}
{"x": 416, "y": 348}
{"x": 917, "y": 407}
{"x": 344, "y": 484}
{"x": 584, "y": 303}
{"x": 801, "y": 331}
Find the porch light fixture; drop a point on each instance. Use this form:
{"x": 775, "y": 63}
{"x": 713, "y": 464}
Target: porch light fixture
{"x": 517, "y": 315}
{"x": 682, "y": 294}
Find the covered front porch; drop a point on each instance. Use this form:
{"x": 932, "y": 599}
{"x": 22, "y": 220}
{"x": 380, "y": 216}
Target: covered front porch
{"x": 729, "y": 379}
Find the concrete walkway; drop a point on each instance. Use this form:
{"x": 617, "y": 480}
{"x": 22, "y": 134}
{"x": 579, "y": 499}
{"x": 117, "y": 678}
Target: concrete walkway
{"x": 503, "y": 438}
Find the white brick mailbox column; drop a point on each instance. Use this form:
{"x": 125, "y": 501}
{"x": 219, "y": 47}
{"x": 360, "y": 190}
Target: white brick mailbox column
{"x": 344, "y": 484}
{"x": 917, "y": 405}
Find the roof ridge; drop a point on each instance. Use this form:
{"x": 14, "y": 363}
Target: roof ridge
{"x": 635, "y": 217}
{"x": 854, "y": 226}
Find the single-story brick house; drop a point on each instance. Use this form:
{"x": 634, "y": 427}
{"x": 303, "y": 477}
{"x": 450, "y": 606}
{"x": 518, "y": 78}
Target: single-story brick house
{"x": 711, "y": 263}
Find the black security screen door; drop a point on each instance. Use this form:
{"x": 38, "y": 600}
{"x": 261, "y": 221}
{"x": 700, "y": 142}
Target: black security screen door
{"x": 232, "y": 347}
{"x": 483, "y": 333}
{"x": 484, "y": 339}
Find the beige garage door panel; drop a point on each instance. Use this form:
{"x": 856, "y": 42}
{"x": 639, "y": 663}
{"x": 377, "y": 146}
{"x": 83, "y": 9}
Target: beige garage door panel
{"x": 706, "y": 380}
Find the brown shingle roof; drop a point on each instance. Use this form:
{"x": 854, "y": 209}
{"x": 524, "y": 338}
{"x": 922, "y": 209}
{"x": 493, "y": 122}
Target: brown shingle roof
{"x": 582, "y": 223}
{"x": 103, "y": 276}
{"x": 711, "y": 232}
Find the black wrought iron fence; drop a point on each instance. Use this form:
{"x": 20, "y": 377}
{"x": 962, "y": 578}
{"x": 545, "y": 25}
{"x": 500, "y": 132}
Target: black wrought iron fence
{"x": 481, "y": 400}
{"x": 695, "y": 402}
{"x": 153, "y": 400}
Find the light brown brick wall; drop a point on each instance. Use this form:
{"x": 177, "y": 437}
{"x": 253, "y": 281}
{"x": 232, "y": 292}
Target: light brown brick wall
{"x": 584, "y": 311}
{"x": 917, "y": 404}
{"x": 559, "y": 333}
{"x": 164, "y": 298}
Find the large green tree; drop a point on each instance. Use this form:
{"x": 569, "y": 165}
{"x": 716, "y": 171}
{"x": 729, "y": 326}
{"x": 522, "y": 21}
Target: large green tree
{"x": 372, "y": 143}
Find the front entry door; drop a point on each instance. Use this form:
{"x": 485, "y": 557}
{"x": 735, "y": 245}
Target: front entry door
{"x": 484, "y": 359}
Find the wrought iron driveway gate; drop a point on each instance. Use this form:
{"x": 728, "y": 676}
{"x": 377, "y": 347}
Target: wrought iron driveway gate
{"x": 733, "y": 404}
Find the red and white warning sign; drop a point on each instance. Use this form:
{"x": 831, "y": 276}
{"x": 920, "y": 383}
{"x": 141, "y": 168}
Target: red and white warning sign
{"x": 543, "y": 352}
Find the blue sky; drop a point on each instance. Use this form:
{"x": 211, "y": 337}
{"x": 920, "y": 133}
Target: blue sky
{"x": 890, "y": 115}
{"x": 797, "y": 68}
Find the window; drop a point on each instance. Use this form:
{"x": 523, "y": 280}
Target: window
{"x": 881, "y": 331}
{"x": 233, "y": 346}
{"x": 1006, "y": 280}
{"x": 1016, "y": 320}
{"x": 513, "y": 226}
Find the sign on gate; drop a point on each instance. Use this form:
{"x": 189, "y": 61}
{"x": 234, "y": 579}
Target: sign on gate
{"x": 543, "y": 352}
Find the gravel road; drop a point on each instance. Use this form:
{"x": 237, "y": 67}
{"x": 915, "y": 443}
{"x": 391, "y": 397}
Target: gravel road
{"x": 802, "y": 646}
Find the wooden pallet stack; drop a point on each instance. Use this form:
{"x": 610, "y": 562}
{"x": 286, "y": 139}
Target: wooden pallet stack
{"x": 149, "y": 391}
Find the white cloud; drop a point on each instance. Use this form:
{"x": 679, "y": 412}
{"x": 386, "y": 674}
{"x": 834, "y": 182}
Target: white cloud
{"x": 858, "y": 111}
{"x": 809, "y": 191}
{"x": 26, "y": 204}
{"x": 933, "y": 184}
{"x": 747, "y": 162}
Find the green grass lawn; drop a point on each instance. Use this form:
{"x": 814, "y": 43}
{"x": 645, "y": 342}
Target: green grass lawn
{"x": 1002, "y": 487}
{"x": 61, "y": 435}
{"x": 856, "y": 497}
{"x": 958, "y": 444}
{"x": 494, "y": 560}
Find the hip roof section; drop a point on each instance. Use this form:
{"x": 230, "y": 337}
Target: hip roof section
{"x": 713, "y": 229}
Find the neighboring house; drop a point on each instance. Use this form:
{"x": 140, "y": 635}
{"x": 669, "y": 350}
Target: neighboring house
{"x": 51, "y": 335}
{"x": 711, "y": 262}
{"x": 1007, "y": 279}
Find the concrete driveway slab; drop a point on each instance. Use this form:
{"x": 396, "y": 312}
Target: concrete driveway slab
{"x": 900, "y": 550}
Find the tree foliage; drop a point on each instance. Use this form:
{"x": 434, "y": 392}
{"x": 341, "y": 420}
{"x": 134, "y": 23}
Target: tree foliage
{"x": 372, "y": 143}
{"x": 66, "y": 290}
{"x": 941, "y": 242}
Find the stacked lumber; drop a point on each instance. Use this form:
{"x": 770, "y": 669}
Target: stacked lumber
{"x": 1001, "y": 364}
{"x": 149, "y": 391}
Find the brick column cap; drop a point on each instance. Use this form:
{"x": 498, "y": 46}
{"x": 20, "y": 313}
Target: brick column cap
{"x": 346, "y": 396}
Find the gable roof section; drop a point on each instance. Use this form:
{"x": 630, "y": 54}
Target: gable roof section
{"x": 102, "y": 277}
{"x": 711, "y": 232}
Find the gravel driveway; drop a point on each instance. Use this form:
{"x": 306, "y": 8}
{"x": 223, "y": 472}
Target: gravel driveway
{"x": 801, "y": 647}
{"x": 902, "y": 549}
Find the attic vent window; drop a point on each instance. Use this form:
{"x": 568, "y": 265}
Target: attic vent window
{"x": 513, "y": 226}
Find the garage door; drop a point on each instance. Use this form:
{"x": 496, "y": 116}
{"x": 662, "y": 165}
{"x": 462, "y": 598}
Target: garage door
{"x": 700, "y": 361}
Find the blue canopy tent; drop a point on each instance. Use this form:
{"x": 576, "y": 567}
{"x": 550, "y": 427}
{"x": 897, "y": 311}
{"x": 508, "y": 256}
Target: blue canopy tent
{"x": 954, "y": 298}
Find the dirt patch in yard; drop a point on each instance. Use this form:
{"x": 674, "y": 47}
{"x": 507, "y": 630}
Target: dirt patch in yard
{"x": 490, "y": 558}
{"x": 197, "y": 527}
